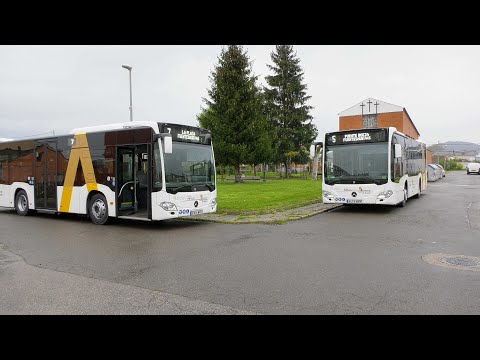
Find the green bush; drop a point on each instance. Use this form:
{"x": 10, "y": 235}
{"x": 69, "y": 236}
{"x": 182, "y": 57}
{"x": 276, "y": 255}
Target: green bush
{"x": 452, "y": 165}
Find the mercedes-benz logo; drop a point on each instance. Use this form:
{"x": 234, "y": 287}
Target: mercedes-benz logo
{"x": 195, "y": 203}
{"x": 354, "y": 194}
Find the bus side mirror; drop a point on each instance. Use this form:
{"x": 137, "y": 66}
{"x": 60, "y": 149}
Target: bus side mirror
{"x": 167, "y": 143}
{"x": 398, "y": 151}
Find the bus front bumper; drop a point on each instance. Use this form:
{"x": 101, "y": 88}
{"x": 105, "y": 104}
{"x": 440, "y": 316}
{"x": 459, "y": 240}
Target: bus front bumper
{"x": 379, "y": 197}
{"x": 169, "y": 206}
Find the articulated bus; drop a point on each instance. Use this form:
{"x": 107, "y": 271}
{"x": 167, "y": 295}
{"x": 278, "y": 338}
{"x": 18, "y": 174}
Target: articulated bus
{"x": 372, "y": 166}
{"x": 136, "y": 170}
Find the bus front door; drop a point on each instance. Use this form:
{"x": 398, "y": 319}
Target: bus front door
{"x": 126, "y": 184}
{"x": 45, "y": 175}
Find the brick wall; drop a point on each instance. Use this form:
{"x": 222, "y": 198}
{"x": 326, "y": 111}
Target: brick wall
{"x": 350, "y": 122}
{"x": 394, "y": 119}
{"x": 408, "y": 127}
{"x": 429, "y": 156}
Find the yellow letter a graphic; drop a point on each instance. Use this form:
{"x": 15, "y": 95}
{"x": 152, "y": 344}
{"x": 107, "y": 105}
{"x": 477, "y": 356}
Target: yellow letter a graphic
{"x": 79, "y": 151}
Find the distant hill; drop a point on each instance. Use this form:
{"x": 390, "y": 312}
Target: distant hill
{"x": 455, "y": 147}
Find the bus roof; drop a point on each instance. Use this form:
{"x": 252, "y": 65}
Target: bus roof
{"x": 99, "y": 128}
{"x": 117, "y": 126}
{"x": 91, "y": 129}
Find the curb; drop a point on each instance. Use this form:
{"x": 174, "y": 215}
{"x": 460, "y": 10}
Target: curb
{"x": 280, "y": 220}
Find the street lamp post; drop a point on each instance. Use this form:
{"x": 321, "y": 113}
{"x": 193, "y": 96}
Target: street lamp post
{"x": 129, "y": 68}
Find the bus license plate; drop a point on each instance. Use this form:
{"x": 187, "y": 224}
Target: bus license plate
{"x": 353, "y": 201}
{"x": 196, "y": 212}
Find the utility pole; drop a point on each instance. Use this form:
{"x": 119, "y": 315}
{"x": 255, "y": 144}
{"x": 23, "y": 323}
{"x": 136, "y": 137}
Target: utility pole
{"x": 129, "y": 68}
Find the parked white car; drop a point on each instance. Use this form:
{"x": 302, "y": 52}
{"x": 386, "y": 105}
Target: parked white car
{"x": 434, "y": 173}
{"x": 473, "y": 168}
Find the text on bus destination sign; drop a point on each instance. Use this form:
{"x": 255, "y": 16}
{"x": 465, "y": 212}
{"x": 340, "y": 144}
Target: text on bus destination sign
{"x": 188, "y": 135}
{"x": 356, "y": 137}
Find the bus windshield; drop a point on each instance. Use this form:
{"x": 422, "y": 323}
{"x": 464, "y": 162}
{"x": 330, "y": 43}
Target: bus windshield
{"x": 190, "y": 167}
{"x": 356, "y": 163}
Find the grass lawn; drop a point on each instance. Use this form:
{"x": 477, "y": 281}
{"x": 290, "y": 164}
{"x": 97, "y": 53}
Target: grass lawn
{"x": 260, "y": 197}
{"x": 269, "y": 175}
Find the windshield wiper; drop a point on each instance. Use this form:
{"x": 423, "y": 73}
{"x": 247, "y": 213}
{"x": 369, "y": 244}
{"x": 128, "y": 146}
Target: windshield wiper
{"x": 332, "y": 182}
{"x": 351, "y": 180}
{"x": 210, "y": 187}
{"x": 375, "y": 181}
{"x": 174, "y": 190}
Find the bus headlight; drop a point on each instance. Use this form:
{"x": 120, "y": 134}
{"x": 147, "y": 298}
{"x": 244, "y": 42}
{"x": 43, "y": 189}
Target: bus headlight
{"x": 214, "y": 201}
{"x": 385, "y": 194}
{"x": 327, "y": 194}
{"x": 168, "y": 206}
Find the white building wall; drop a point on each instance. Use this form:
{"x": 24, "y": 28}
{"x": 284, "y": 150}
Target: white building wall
{"x": 382, "y": 107}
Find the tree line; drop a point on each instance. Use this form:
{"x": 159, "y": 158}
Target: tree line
{"x": 253, "y": 124}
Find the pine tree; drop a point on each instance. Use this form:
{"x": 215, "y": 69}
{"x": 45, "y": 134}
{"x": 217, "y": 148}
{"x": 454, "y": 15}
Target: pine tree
{"x": 287, "y": 109}
{"x": 235, "y": 112}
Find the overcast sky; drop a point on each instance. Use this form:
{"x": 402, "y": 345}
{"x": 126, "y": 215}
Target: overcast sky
{"x": 45, "y": 88}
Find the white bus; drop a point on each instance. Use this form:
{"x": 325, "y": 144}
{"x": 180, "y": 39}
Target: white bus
{"x": 136, "y": 170}
{"x": 372, "y": 166}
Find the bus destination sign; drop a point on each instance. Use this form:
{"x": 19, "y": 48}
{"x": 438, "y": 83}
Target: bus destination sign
{"x": 186, "y": 133}
{"x": 356, "y": 137}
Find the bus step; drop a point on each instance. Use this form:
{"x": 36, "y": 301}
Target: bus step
{"x": 47, "y": 211}
{"x": 133, "y": 218}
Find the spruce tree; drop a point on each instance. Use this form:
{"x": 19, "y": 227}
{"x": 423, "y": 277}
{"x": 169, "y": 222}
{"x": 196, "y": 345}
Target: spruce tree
{"x": 287, "y": 109}
{"x": 235, "y": 112}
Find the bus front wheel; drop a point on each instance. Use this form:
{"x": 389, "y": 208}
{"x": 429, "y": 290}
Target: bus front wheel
{"x": 21, "y": 203}
{"x": 405, "y": 197}
{"x": 98, "y": 209}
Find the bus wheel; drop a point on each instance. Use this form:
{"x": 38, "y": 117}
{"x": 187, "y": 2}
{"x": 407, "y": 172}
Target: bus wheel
{"x": 98, "y": 209}
{"x": 419, "y": 190}
{"x": 21, "y": 203}
{"x": 405, "y": 197}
